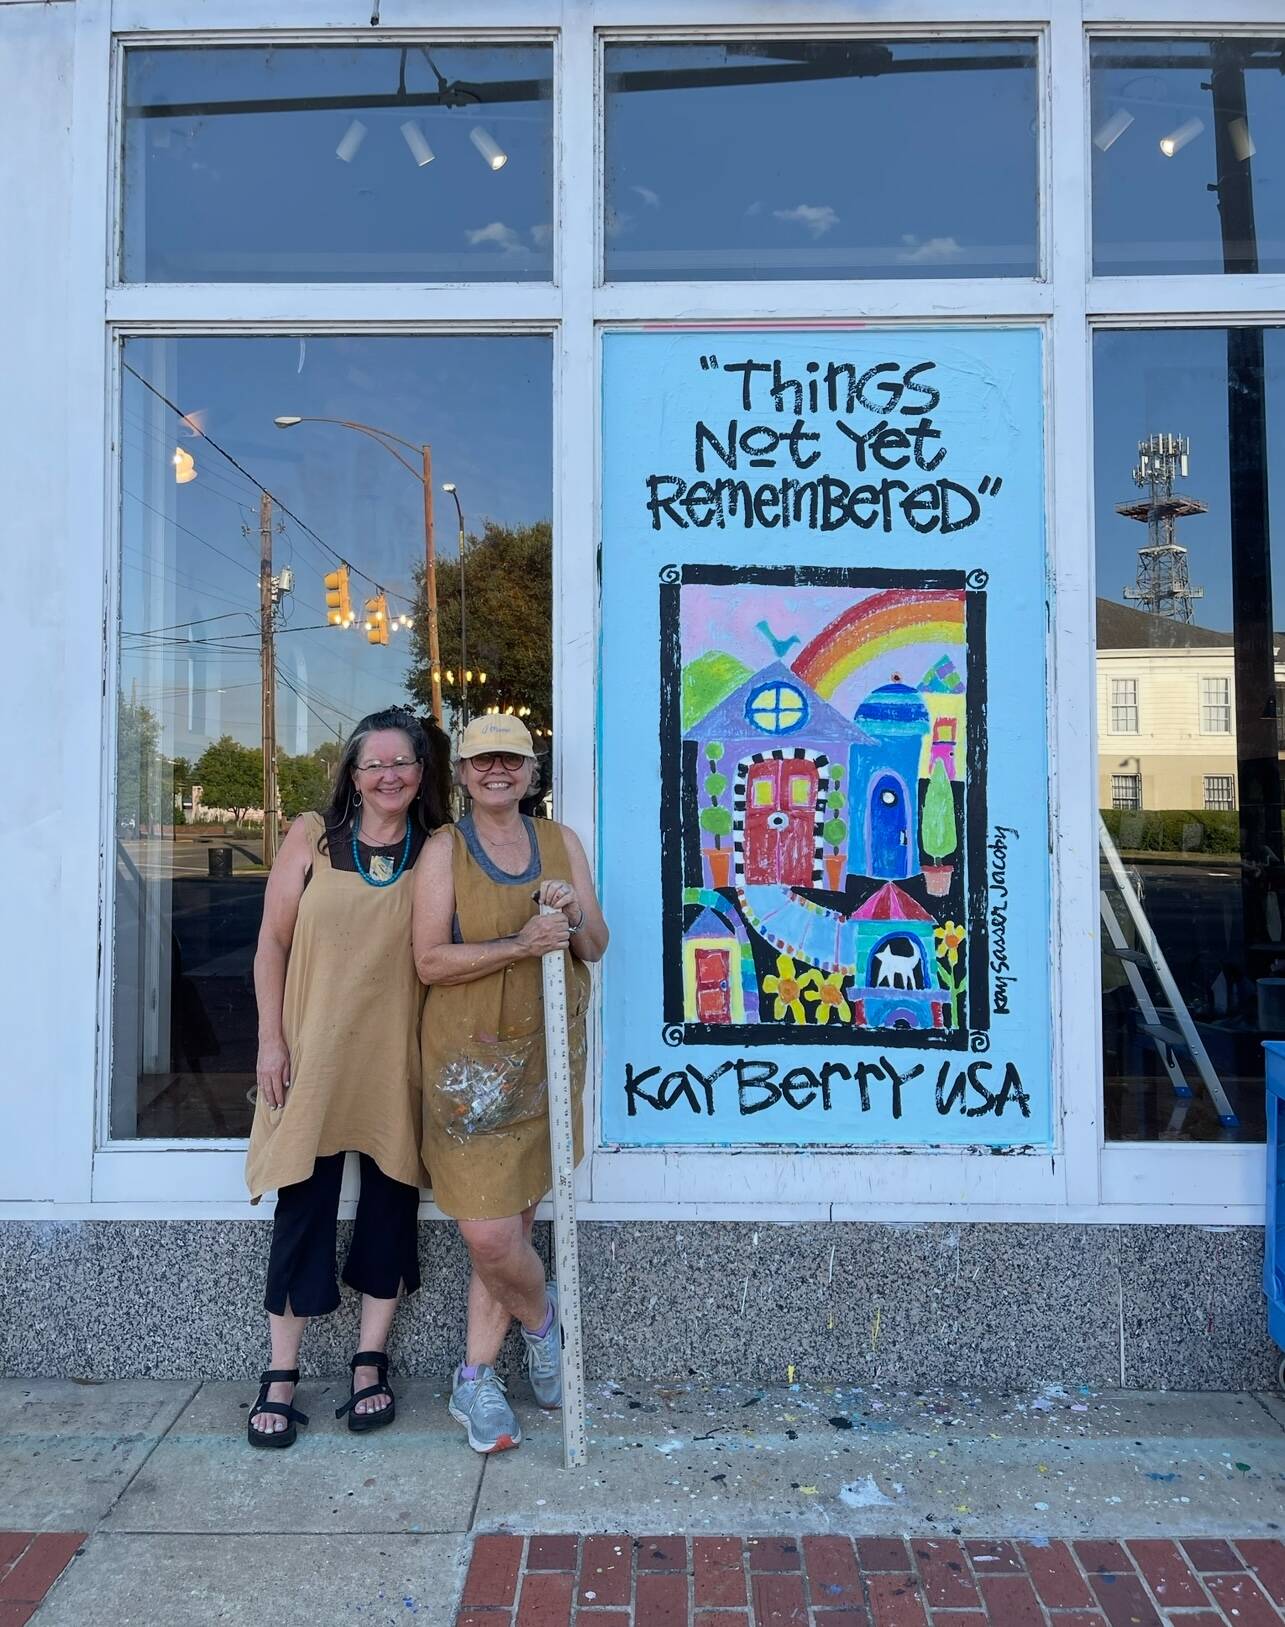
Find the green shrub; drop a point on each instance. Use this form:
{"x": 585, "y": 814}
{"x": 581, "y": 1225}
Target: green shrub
{"x": 1174, "y": 830}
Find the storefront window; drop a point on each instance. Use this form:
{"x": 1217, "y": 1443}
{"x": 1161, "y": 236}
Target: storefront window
{"x": 1188, "y": 155}
{"x": 1191, "y": 587}
{"x": 307, "y": 163}
{"x": 822, "y": 158}
{"x": 213, "y": 491}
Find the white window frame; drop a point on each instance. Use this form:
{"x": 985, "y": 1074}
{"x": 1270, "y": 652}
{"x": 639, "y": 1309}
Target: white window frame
{"x": 1206, "y": 681}
{"x": 1133, "y": 807}
{"x": 1228, "y": 780}
{"x": 1118, "y": 706}
{"x": 1079, "y": 1179}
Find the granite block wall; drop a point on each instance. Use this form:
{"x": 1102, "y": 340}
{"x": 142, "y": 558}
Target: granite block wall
{"x": 969, "y": 1305}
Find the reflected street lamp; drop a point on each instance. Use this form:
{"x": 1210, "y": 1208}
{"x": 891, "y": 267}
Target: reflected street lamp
{"x": 449, "y": 487}
{"x": 424, "y": 474}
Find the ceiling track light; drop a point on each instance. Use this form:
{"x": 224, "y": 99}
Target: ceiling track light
{"x": 350, "y": 142}
{"x": 492, "y": 153}
{"x": 184, "y": 466}
{"x": 1177, "y": 139}
{"x": 1242, "y": 143}
{"x": 1110, "y": 130}
{"x": 414, "y": 137}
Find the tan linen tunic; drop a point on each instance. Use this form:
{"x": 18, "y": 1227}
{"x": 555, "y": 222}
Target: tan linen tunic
{"x": 485, "y": 1041}
{"x": 351, "y": 1024}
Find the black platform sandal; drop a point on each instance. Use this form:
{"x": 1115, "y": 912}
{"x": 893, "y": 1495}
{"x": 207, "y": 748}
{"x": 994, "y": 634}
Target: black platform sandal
{"x": 358, "y": 1422}
{"x": 275, "y": 1439}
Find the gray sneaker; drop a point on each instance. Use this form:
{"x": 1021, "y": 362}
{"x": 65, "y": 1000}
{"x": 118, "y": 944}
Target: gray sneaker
{"x": 544, "y": 1358}
{"x": 480, "y": 1405}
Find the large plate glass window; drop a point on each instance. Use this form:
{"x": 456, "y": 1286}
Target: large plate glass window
{"x": 1188, "y": 155}
{"x": 822, "y": 158}
{"x": 327, "y": 163}
{"x": 318, "y": 529}
{"x": 1189, "y": 428}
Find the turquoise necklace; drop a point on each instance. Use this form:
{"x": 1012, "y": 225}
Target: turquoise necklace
{"x": 380, "y": 881}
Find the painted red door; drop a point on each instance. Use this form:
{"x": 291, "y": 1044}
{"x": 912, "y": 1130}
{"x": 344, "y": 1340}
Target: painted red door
{"x": 713, "y": 989}
{"x": 780, "y": 813}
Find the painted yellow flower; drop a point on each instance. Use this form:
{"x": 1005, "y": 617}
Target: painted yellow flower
{"x": 827, "y": 995}
{"x": 949, "y": 938}
{"x": 788, "y": 987}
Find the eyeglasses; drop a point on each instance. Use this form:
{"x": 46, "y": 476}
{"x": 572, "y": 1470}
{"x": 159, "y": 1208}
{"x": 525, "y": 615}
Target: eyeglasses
{"x": 487, "y": 760}
{"x": 400, "y": 764}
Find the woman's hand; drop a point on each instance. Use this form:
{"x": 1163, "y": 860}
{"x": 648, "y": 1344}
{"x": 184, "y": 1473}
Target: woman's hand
{"x": 272, "y": 1072}
{"x": 543, "y": 933}
{"x": 561, "y": 895}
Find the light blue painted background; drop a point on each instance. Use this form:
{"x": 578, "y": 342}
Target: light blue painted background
{"x": 991, "y": 418}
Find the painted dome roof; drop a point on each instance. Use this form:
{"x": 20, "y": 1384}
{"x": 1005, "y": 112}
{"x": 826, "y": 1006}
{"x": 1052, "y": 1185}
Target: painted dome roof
{"x": 893, "y": 705}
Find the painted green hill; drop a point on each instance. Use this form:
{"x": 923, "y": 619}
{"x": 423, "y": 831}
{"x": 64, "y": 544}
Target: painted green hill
{"x": 707, "y": 680}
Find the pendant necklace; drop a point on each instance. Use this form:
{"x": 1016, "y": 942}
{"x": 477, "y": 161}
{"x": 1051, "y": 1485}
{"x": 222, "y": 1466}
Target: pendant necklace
{"x": 382, "y": 872}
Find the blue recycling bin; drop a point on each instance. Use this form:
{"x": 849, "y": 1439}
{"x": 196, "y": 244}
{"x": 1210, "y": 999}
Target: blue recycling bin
{"x": 1274, "y": 1253}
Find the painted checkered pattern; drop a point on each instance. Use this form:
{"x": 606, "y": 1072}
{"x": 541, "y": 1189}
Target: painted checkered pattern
{"x": 784, "y": 754}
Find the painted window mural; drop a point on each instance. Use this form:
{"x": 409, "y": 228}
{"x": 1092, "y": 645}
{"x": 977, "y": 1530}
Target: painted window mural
{"x": 824, "y": 774}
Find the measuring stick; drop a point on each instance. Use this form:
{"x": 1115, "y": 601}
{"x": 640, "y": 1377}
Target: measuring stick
{"x": 563, "y": 1158}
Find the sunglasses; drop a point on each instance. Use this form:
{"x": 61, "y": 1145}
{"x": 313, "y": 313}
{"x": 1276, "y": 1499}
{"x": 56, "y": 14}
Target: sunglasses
{"x": 487, "y": 760}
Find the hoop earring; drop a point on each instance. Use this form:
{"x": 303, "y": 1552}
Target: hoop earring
{"x": 356, "y": 799}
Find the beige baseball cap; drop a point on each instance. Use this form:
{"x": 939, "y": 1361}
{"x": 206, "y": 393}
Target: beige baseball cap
{"x": 497, "y": 731}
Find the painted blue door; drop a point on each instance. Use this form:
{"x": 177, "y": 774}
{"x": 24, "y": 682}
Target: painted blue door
{"x": 889, "y": 829}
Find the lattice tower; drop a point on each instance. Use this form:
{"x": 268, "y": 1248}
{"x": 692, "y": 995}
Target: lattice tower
{"x": 1163, "y": 585}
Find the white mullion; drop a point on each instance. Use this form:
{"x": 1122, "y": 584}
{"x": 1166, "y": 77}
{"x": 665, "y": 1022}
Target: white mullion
{"x": 1201, "y": 300}
{"x": 770, "y": 20}
{"x": 903, "y": 299}
{"x": 82, "y": 1050}
{"x": 575, "y": 414}
{"x": 334, "y": 19}
{"x": 338, "y": 308}
{"x": 1073, "y": 802}
{"x": 1175, "y": 16}
{"x": 1173, "y": 1173}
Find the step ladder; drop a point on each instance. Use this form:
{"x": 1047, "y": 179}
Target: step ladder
{"x": 1172, "y": 1038}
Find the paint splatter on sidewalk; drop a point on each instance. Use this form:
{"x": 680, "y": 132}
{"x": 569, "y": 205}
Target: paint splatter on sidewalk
{"x": 836, "y": 1581}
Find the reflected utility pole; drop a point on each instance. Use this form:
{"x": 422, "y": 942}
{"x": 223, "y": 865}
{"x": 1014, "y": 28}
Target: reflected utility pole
{"x": 267, "y": 679}
{"x": 1257, "y": 752}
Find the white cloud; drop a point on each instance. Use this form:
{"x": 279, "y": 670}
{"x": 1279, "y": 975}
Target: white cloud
{"x": 619, "y": 221}
{"x": 497, "y": 234}
{"x": 756, "y": 208}
{"x": 650, "y": 198}
{"x": 928, "y": 251}
{"x": 816, "y": 218}
{"x": 541, "y": 234}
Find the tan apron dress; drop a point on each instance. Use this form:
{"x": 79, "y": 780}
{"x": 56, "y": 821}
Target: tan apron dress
{"x": 483, "y": 1046}
{"x": 351, "y": 1023}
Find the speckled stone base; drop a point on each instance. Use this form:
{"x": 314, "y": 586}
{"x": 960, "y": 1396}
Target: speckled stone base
{"x": 983, "y": 1305}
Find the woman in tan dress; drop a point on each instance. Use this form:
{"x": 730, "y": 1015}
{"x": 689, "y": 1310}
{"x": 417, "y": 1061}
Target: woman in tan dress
{"x": 338, "y": 1068}
{"x": 479, "y": 939}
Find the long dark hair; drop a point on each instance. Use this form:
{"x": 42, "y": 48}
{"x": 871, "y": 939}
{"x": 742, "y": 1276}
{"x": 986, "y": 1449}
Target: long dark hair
{"x": 430, "y": 744}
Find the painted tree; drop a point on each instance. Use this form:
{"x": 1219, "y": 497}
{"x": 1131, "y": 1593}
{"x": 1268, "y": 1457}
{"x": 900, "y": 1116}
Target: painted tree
{"x": 715, "y": 820}
{"x": 230, "y": 775}
{"x": 937, "y": 829}
{"x": 835, "y": 829}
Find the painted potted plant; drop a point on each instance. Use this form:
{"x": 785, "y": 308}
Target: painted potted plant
{"x": 937, "y": 832}
{"x": 835, "y": 831}
{"x": 716, "y": 821}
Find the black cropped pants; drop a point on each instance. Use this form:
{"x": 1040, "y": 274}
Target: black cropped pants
{"x": 383, "y": 1254}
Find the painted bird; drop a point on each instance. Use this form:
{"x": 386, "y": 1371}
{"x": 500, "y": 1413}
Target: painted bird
{"x": 780, "y": 645}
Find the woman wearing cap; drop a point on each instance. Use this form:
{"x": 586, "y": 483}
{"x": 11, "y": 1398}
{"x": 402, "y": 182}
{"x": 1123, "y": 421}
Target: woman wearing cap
{"x": 479, "y": 939}
{"x": 338, "y": 1066}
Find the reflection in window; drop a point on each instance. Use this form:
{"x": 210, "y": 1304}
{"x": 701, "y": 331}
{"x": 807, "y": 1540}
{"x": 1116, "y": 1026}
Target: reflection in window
{"x": 1191, "y": 587}
{"x": 822, "y": 158}
{"x": 331, "y": 513}
{"x": 1126, "y": 792}
{"x": 312, "y": 163}
{"x": 1188, "y": 155}
{"x": 1124, "y": 706}
{"x": 1215, "y": 705}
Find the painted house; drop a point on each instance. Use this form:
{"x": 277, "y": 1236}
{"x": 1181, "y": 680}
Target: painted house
{"x": 883, "y": 783}
{"x": 896, "y": 960}
{"x": 781, "y": 744}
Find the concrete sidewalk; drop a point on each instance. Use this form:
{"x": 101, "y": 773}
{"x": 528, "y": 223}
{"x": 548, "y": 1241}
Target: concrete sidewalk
{"x": 185, "y": 1524}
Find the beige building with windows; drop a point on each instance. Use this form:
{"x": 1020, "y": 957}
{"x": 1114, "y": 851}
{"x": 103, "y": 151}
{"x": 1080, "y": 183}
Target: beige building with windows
{"x": 1166, "y": 703}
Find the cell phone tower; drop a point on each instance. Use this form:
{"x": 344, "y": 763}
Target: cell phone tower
{"x": 1163, "y": 586}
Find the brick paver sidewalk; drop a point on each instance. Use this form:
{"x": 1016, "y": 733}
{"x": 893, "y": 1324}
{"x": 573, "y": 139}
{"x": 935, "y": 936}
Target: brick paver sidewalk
{"x": 30, "y": 1564}
{"x": 833, "y": 1581}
